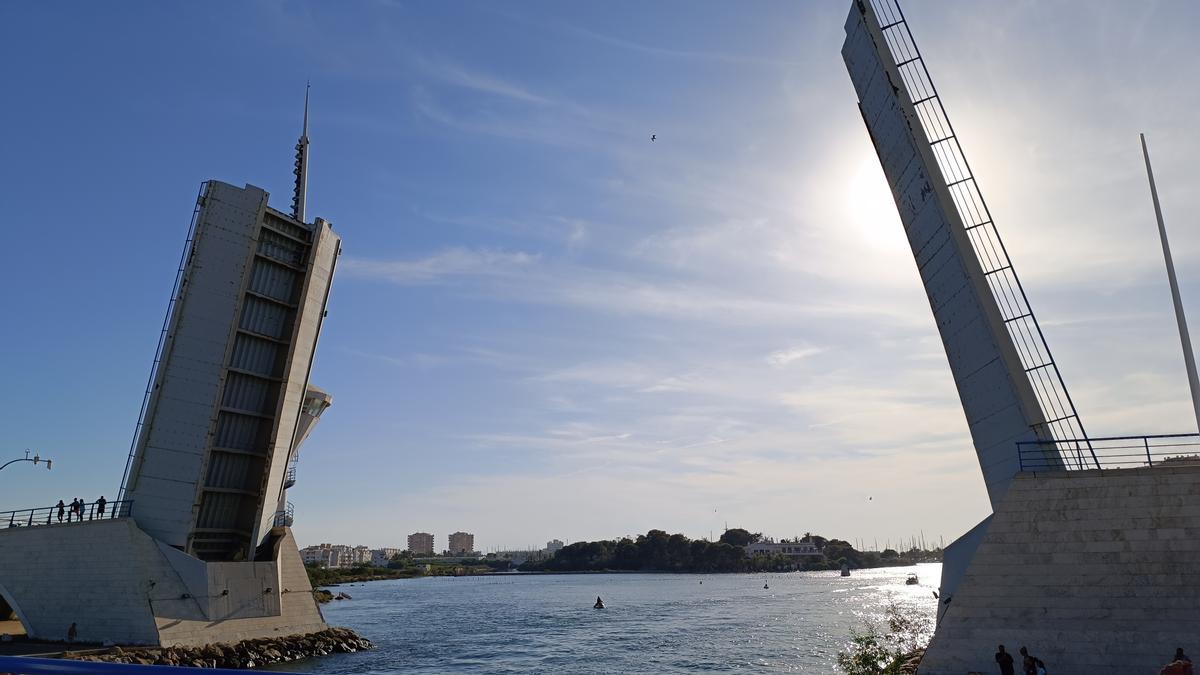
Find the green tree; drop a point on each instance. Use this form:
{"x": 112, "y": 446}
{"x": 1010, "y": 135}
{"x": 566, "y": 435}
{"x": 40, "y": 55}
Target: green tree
{"x": 739, "y": 537}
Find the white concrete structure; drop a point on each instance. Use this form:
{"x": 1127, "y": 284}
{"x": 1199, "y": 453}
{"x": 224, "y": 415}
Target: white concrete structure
{"x": 206, "y": 552}
{"x": 230, "y": 396}
{"x": 1008, "y": 384}
{"x": 117, "y": 583}
{"x": 1097, "y": 572}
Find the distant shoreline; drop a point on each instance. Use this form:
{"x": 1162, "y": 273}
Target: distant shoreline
{"x": 533, "y": 573}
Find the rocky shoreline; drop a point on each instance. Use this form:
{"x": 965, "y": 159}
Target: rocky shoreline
{"x": 244, "y": 654}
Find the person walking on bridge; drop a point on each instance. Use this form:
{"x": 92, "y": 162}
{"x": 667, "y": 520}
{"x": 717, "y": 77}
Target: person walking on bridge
{"x": 100, "y": 506}
{"x": 61, "y": 510}
{"x": 1005, "y": 661}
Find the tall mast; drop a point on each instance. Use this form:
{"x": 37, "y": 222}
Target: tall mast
{"x": 301, "y": 169}
{"x": 1189, "y": 359}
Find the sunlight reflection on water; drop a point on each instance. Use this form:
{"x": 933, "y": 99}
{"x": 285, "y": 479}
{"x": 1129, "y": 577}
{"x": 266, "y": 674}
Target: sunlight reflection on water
{"x": 653, "y": 622}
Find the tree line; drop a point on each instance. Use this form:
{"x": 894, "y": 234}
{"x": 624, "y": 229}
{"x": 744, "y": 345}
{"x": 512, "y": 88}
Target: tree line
{"x": 658, "y": 551}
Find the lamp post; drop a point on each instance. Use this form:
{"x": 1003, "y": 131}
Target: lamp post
{"x": 36, "y": 459}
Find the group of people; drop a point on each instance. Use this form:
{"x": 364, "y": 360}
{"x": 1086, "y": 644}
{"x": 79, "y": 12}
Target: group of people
{"x": 1031, "y": 665}
{"x": 75, "y": 510}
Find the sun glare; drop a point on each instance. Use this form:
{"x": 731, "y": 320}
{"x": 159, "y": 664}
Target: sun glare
{"x": 870, "y": 208}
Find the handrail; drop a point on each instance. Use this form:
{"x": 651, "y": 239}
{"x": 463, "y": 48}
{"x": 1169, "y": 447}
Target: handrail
{"x": 55, "y": 515}
{"x": 1060, "y": 419}
{"x": 1112, "y": 452}
{"x": 286, "y": 517}
{"x": 163, "y": 337}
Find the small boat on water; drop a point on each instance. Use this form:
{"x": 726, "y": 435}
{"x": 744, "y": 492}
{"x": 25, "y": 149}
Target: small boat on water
{"x": 845, "y": 570}
{"x": 599, "y": 603}
{"x": 912, "y": 580}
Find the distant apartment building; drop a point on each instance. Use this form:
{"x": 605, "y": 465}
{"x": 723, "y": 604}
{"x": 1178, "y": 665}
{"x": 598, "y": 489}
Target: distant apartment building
{"x": 317, "y": 555}
{"x": 380, "y": 557}
{"x": 553, "y": 547}
{"x": 803, "y": 549}
{"x": 420, "y": 543}
{"x": 461, "y": 543}
{"x": 335, "y": 555}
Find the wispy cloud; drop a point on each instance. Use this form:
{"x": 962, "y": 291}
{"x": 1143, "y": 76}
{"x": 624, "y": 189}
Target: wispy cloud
{"x": 783, "y": 357}
{"x": 486, "y": 84}
{"x": 445, "y": 265}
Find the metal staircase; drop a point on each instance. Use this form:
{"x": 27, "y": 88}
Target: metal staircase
{"x": 1062, "y": 421}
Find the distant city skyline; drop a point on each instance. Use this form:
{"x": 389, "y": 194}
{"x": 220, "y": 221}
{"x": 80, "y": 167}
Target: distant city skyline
{"x": 546, "y": 326}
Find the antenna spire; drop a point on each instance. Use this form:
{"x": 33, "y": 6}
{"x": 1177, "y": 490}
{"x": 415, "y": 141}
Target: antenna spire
{"x": 1189, "y": 359}
{"x": 301, "y": 168}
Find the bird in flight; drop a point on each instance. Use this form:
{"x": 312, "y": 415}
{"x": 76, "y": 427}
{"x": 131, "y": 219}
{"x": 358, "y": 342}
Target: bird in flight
{"x": 653, "y": 136}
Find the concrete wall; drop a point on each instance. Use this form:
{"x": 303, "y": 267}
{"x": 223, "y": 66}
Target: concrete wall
{"x": 1097, "y": 572}
{"x": 289, "y": 597}
{"x": 168, "y": 467}
{"x": 997, "y": 397}
{"x": 117, "y": 583}
{"x": 310, "y": 314}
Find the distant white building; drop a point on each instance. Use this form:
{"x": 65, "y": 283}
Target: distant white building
{"x": 804, "y": 549}
{"x": 380, "y": 557}
{"x": 336, "y": 555}
{"x": 553, "y": 546}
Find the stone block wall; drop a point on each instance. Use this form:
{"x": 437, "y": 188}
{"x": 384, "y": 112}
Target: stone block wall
{"x": 1096, "y": 572}
{"x": 116, "y": 583}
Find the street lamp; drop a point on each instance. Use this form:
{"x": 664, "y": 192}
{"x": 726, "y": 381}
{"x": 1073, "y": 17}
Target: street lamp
{"x": 36, "y": 459}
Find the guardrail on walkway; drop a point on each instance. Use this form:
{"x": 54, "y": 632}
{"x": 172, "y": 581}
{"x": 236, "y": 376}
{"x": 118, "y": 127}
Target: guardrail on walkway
{"x": 1113, "y": 452}
{"x": 21, "y": 665}
{"x": 56, "y": 515}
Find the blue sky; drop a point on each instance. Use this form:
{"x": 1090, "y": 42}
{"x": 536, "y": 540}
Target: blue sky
{"x": 545, "y": 325}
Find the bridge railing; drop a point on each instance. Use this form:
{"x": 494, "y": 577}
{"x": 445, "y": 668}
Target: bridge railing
{"x": 55, "y": 515}
{"x": 1113, "y": 452}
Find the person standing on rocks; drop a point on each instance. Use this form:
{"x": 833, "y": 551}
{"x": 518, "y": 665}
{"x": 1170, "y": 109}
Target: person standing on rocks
{"x": 1005, "y": 661}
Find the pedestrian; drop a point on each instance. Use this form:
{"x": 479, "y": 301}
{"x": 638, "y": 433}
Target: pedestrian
{"x": 1031, "y": 665}
{"x": 72, "y": 632}
{"x": 81, "y": 509}
{"x": 1005, "y": 661}
{"x": 1177, "y": 667}
{"x": 74, "y": 510}
{"x": 100, "y": 505}
{"x": 1180, "y": 656}
{"x": 61, "y": 509}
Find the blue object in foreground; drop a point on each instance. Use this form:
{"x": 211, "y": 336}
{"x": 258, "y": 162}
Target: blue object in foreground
{"x": 21, "y": 665}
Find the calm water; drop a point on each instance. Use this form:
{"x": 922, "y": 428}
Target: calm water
{"x": 654, "y": 623}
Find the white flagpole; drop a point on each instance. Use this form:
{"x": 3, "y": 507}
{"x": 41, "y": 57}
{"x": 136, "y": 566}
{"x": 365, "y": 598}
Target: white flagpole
{"x": 1189, "y": 358}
